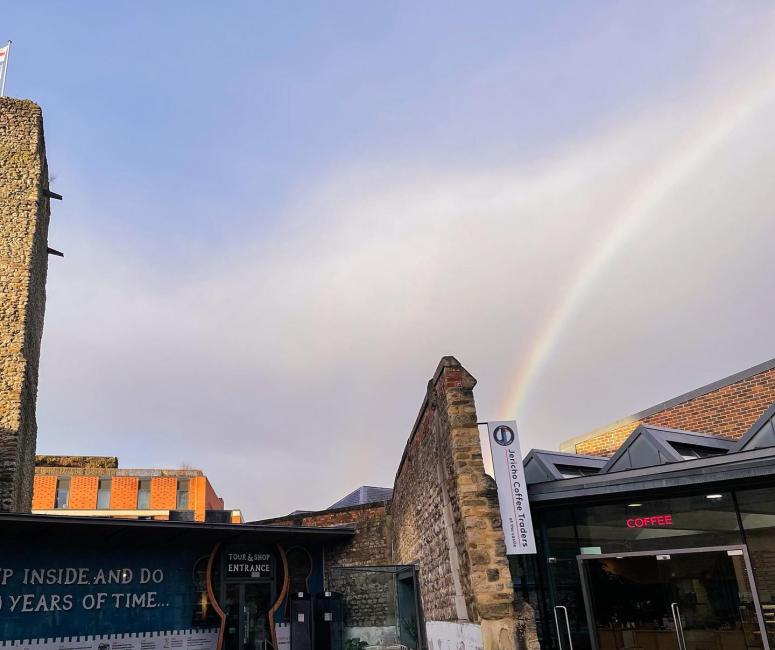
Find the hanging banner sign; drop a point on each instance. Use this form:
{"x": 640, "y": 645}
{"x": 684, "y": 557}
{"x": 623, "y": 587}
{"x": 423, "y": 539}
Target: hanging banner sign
{"x": 512, "y": 487}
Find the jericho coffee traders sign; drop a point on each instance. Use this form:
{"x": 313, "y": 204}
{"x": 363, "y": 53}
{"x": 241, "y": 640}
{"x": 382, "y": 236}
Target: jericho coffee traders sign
{"x": 512, "y": 487}
{"x": 249, "y": 564}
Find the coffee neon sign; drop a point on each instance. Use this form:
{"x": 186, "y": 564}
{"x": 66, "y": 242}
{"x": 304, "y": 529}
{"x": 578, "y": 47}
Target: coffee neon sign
{"x": 652, "y": 521}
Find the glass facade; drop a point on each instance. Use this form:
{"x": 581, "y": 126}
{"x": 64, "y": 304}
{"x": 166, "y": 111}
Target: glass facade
{"x": 757, "y": 515}
{"x": 685, "y": 571}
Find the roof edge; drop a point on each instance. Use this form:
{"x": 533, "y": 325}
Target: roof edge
{"x": 570, "y": 443}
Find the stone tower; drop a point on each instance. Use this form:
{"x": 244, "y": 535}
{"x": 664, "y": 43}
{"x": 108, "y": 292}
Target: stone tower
{"x": 24, "y": 217}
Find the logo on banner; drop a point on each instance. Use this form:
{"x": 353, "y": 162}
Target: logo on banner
{"x": 503, "y": 435}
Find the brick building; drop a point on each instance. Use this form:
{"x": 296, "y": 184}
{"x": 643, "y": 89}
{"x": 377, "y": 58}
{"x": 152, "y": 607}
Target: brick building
{"x": 95, "y": 486}
{"x": 658, "y": 530}
{"x": 726, "y": 408}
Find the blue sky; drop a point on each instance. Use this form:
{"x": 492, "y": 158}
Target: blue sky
{"x": 278, "y": 218}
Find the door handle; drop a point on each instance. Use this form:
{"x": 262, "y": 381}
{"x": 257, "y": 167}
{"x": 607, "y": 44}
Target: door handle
{"x": 679, "y": 626}
{"x": 567, "y": 626}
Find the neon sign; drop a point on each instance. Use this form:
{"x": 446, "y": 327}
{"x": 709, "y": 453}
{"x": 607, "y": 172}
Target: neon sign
{"x": 652, "y": 521}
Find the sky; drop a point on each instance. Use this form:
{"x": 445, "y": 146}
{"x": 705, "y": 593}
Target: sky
{"x": 278, "y": 218}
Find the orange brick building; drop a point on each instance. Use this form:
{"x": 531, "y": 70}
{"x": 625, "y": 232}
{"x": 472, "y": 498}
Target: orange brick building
{"x": 726, "y": 408}
{"x": 96, "y": 486}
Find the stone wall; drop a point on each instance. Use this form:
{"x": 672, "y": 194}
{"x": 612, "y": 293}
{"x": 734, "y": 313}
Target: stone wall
{"x": 24, "y": 218}
{"x": 445, "y": 517}
{"x": 369, "y": 597}
{"x": 369, "y": 546}
{"x": 86, "y": 462}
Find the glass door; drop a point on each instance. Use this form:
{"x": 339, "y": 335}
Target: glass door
{"x": 628, "y": 604}
{"x": 247, "y": 616}
{"x": 687, "y": 599}
{"x": 711, "y": 599}
{"x": 568, "y": 622}
{"x": 231, "y": 608}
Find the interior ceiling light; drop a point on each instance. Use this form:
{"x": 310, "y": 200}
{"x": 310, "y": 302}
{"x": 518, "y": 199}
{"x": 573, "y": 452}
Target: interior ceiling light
{"x": 714, "y": 496}
{"x": 634, "y": 505}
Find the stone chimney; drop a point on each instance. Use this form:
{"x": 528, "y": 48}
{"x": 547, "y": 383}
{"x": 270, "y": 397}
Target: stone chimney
{"x": 24, "y": 217}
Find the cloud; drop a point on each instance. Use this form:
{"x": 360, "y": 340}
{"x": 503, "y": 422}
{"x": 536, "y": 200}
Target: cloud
{"x": 289, "y": 361}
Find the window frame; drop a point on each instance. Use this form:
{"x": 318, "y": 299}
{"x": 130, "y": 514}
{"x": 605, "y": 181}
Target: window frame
{"x": 103, "y": 493}
{"x": 62, "y": 481}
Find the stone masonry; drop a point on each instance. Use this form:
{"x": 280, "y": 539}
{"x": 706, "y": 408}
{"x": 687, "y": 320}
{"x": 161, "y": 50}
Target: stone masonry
{"x": 369, "y": 597}
{"x": 24, "y": 218}
{"x": 445, "y": 518}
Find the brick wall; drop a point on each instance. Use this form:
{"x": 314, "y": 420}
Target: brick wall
{"x": 24, "y": 218}
{"x": 164, "y": 492}
{"x": 83, "y": 492}
{"x": 44, "y": 493}
{"x": 607, "y": 441}
{"x": 728, "y": 412}
{"x": 124, "y": 485}
{"x": 123, "y": 492}
{"x": 212, "y": 500}
{"x": 196, "y": 497}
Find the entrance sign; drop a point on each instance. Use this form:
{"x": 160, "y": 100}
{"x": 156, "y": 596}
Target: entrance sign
{"x": 249, "y": 564}
{"x": 512, "y": 487}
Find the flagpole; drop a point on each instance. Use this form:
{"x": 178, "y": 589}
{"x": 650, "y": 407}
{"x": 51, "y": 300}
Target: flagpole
{"x": 5, "y": 69}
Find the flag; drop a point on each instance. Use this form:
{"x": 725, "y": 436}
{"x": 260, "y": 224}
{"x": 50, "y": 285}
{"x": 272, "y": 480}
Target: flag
{"x": 4, "y": 52}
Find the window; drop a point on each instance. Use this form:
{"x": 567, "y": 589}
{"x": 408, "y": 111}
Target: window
{"x": 182, "y": 500}
{"x": 575, "y": 471}
{"x": 690, "y": 452}
{"x": 144, "y": 495}
{"x": 670, "y": 522}
{"x": 63, "y": 493}
{"x": 103, "y": 494}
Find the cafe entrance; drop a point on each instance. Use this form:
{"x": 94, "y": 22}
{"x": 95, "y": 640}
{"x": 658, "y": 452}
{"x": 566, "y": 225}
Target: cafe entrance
{"x": 684, "y": 599}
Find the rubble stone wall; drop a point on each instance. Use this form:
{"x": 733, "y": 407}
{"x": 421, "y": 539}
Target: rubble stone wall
{"x": 445, "y": 518}
{"x": 369, "y": 597}
{"x": 24, "y": 218}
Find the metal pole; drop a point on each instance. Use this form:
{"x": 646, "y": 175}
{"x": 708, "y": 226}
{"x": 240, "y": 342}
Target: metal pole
{"x": 5, "y": 69}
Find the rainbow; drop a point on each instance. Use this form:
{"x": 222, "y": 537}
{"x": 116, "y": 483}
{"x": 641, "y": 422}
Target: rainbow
{"x": 647, "y": 197}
